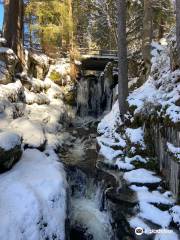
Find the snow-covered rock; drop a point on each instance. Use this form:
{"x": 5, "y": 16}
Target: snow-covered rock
{"x": 32, "y": 132}
{"x": 38, "y": 64}
{"x": 33, "y": 199}
{"x": 160, "y": 93}
{"x": 8, "y": 62}
{"x": 10, "y": 150}
{"x": 175, "y": 213}
{"x": 136, "y": 136}
{"x": 141, "y": 176}
{"x": 154, "y": 214}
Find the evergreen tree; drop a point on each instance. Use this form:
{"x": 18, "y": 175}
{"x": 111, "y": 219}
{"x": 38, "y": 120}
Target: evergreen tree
{"x": 122, "y": 53}
{"x": 13, "y": 25}
{"x": 178, "y": 28}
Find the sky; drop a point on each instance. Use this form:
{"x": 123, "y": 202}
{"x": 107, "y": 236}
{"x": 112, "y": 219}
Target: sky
{"x": 1, "y": 15}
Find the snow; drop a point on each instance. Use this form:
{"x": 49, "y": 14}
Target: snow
{"x": 9, "y": 140}
{"x": 33, "y": 203}
{"x": 138, "y": 222}
{"x": 3, "y": 40}
{"x": 175, "y": 213}
{"x": 136, "y": 136}
{"x": 41, "y": 58}
{"x": 141, "y": 95}
{"x": 166, "y": 236}
{"x": 161, "y": 88}
{"x": 124, "y": 165}
{"x": 39, "y": 98}
{"x": 6, "y": 50}
{"x": 110, "y": 122}
{"x": 31, "y": 132}
{"x": 110, "y": 138}
{"x": 109, "y": 153}
{"x": 151, "y": 197}
{"x": 135, "y": 158}
{"x": 174, "y": 150}
{"x": 154, "y": 214}
{"x": 11, "y": 92}
{"x": 141, "y": 175}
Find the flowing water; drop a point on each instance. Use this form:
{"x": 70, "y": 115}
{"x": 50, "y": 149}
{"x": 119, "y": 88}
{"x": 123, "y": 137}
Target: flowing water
{"x": 98, "y": 201}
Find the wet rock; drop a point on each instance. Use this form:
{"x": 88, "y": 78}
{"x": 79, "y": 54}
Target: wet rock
{"x": 124, "y": 197}
{"x": 10, "y": 150}
{"x": 79, "y": 232}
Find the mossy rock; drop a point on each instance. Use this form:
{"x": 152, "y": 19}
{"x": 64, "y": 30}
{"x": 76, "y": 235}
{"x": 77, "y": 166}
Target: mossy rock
{"x": 70, "y": 98}
{"x": 56, "y": 77}
{"x": 151, "y": 164}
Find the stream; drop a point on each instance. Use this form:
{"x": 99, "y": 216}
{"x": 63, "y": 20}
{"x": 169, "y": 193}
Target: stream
{"x": 99, "y": 200}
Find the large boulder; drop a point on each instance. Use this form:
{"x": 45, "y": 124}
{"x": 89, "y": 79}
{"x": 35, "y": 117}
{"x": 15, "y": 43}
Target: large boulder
{"x": 10, "y": 150}
{"x": 8, "y": 63}
{"x": 38, "y": 64}
{"x": 32, "y": 132}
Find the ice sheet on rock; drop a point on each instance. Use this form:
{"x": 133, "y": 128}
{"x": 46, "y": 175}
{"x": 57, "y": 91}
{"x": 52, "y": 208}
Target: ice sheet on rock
{"x": 31, "y": 131}
{"x": 141, "y": 175}
{"x": 9, "y": 140}
{"x": 154, "y": 214}
{"x": 151, "y": 197}
{"x": 33, "y": 203}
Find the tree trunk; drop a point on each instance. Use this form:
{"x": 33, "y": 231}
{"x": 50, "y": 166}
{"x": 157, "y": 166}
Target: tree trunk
{"x": 178, "y": 28}
{"x": 13, "y": 26}
{"x": 71, "y": 33}
{"x": 147, "y": 35}
{"x": 122, "y": 56}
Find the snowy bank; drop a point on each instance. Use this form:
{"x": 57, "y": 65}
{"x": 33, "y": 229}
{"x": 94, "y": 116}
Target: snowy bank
{"x": 33, "y": 203}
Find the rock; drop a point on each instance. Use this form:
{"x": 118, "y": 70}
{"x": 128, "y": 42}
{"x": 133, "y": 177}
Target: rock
{"x": 3, "y": 42}
{"x": 10, "y": 150}
{"x": 124, "y": 197}
{"x": 38, "y": 64}
{"x": 32, "y": 132}
{"x": 8, "y": 63}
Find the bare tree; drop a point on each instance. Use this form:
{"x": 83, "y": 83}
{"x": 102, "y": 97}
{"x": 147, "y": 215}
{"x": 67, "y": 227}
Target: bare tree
{"x": 178, "y": 28}
{"x": 122, "y": 56}
{"x": 13, "y": 25}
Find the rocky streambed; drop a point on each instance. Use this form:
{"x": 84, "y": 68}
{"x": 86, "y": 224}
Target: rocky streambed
{"x": 99, "y": 201}
{"x": 103, "y": 205}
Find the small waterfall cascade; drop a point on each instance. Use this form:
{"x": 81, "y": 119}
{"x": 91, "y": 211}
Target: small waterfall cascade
{"x": 96, "y": 92}
{"x": 89, "y": 220}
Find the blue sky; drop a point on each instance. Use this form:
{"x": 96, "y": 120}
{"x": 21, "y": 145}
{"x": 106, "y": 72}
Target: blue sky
{"x": 1, "y": 15}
